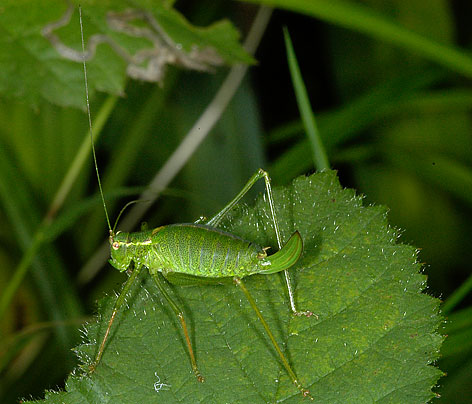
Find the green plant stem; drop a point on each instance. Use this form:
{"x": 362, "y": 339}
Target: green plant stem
{"x": 81, "y": 156}
{"x": 61, "y": 194}
{"x": 20, "y": 272}
{"x": 458, "y": 295}
{"x": 320, "y": 158}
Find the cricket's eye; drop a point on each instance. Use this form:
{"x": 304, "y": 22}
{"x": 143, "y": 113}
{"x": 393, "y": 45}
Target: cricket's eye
{"x": 116, "y": 245}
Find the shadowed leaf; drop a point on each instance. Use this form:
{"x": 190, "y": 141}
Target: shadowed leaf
{"x": 374, "y": 339}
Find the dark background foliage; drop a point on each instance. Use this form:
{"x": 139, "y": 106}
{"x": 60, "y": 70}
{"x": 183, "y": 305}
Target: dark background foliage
{"x": 396, "y": 125}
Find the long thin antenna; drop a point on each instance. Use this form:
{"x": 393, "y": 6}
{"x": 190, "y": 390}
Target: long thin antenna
{"x": 122, "y": 210}
{"x": 90, "y": 119}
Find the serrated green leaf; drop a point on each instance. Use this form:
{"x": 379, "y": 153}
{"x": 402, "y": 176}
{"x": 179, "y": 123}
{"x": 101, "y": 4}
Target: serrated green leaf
{"x": 374, "y": 340}
{"x": 23, "y": 44}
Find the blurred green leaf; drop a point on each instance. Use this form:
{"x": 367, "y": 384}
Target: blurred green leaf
{"x": 458, "y": 296}
{"x": 358, "y": 17}
{"x": 27, "y": 39}
{"x": 447, "y": 173}
{"x": 376, "y": 331}
{"x": 348, "y": 122}
{"x": 456, "y": 355}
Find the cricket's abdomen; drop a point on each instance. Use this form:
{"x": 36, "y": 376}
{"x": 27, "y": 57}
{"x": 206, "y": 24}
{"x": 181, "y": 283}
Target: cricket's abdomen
{"x": 204, "y": 251}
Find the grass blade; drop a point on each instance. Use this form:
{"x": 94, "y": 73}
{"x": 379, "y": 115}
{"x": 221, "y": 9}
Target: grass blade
{"x": 320, "y": 158}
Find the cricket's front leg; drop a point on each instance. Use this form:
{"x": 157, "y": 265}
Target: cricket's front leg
{"x": 180, "y": 315}
{"x": 119, "y": 302}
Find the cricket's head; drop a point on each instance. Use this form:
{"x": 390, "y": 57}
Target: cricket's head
{"x": 120, "y": 258}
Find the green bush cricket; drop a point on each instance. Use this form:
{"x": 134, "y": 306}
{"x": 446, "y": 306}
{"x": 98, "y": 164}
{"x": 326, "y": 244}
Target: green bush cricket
{"x": 198, "y": 253}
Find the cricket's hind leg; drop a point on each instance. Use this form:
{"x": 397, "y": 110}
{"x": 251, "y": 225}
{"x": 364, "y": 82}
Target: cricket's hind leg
{"x": 215, "y": 221}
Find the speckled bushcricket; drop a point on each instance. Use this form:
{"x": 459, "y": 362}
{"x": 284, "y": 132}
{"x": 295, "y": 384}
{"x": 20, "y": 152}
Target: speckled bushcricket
{"x": 198, "y": 253}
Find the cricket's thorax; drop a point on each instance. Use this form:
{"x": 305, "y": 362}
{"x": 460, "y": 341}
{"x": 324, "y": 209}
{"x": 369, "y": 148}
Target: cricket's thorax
{"x": 192, "y": 249}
